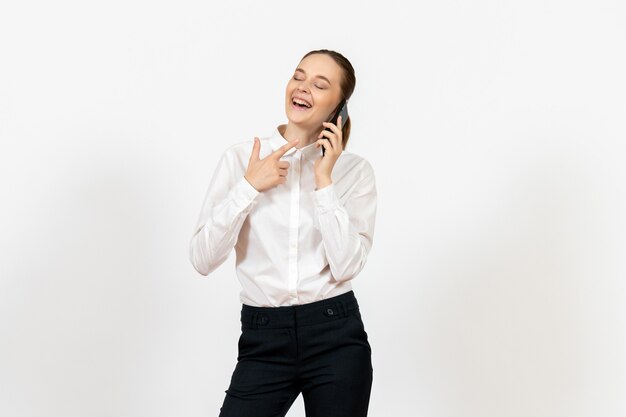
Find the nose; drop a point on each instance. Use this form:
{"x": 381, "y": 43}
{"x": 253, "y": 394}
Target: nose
{"x": 303, "y": 86}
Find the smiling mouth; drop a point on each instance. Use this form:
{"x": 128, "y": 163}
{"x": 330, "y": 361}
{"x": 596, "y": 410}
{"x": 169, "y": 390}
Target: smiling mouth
{"x": 300, "y": 105}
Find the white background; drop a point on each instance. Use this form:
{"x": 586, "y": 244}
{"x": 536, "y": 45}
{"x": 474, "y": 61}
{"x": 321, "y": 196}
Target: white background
{"x": 496, "y": 283}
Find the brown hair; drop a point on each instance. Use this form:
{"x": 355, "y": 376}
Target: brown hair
{"x": 348, "y": 82}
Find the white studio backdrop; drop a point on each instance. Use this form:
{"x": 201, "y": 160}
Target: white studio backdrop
{"x": 496, "y": 283}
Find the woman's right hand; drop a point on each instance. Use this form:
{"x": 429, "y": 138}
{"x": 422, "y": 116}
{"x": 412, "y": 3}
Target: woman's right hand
{"x": 270, "y": 171}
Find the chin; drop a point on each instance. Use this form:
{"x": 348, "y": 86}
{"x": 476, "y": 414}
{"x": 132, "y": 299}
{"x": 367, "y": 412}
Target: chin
{"x": 299, "y": 119}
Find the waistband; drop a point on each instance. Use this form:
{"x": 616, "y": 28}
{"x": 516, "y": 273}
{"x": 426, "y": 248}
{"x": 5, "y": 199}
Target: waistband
{"x": 332, "y": 308}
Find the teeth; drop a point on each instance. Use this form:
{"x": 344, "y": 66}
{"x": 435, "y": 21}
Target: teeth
{"x": 297, "y": 100}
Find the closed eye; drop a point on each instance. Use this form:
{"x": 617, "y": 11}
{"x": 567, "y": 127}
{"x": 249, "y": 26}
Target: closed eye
{"x": 298, "y": 79}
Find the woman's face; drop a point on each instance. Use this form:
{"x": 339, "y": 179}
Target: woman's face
{"x": 316, "y": 81}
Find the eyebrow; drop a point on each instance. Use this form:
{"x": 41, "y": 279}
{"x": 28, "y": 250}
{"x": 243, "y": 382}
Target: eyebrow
{"x": 318, "y": 76}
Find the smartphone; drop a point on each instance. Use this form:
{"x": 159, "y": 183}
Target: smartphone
{"x": 341, "y": 110}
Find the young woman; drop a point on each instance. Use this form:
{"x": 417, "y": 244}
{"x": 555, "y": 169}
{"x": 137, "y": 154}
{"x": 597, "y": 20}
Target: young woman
{"x": 302, "y": 225}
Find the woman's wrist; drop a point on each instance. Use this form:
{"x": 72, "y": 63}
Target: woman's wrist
{"x": 322, "y": 182}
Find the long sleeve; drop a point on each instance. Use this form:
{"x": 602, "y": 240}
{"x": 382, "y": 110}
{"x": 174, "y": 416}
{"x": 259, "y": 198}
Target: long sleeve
{"x": 347, "y": 229}
{"x": 227, "y": 202}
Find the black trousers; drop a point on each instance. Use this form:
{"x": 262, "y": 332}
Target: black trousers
{"x": 319, "y": 349}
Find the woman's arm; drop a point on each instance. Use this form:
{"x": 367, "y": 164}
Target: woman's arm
{"x": 347, "y": 230}
{"x": 226, "y": 205}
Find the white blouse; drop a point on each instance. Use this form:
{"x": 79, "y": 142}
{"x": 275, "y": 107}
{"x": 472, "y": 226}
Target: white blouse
{"x": 293, "y": 244}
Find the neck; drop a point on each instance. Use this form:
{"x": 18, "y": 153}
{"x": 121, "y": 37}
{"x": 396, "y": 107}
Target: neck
{"x": 292, "y": 132}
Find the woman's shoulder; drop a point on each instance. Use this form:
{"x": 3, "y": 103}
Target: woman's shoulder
{"x": 239, "y": 146}
{"x": 243, "y": 148}
{"x": 237, "y": 152}
{"x": 354, "y": 161}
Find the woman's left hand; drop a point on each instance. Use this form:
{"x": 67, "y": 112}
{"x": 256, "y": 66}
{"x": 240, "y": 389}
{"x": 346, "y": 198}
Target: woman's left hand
{"x": 323, "y": 166}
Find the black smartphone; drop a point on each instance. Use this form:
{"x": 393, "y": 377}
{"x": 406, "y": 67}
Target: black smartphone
{"x": 341, "y": 110}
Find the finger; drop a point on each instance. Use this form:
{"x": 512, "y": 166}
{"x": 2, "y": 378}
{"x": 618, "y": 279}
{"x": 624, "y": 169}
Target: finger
{"x": 283, "y": 164}
{"x": 255, "y": 149}
{"x": 338, "y": 138}
{"x": 325, "y": 133}
{"x": 281, "y": 151}
{"x": 332, "y": 126}
{"x": 332, "y": 138}
{"x": 325, "y": 143}
{"x": 282, "y": 172}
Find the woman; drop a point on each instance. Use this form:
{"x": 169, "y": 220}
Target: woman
{"x": 302, "y": 226}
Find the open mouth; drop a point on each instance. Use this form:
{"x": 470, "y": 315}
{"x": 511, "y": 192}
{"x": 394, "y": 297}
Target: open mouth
{"x": 301, "y": 105}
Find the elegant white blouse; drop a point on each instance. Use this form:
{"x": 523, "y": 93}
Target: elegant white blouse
{"x": 293, "y": 244}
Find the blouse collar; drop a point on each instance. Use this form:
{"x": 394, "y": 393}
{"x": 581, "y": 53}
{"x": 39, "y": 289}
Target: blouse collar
{"x": 310, "y": 151}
